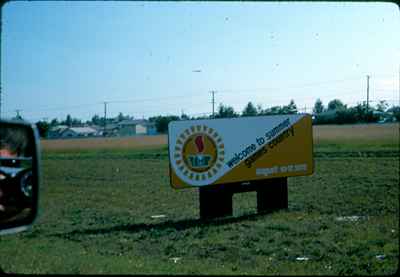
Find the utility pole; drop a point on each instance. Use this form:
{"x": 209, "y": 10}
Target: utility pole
{"x": 18, "y": 115}
{"x": 367, "y": 93}
{"x": 1, "y": 13}
{"x": 105, "y": 118}
{"x": 213, "y": 102}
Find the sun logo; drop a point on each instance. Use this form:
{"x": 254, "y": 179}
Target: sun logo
{"x": 199, "y": 152}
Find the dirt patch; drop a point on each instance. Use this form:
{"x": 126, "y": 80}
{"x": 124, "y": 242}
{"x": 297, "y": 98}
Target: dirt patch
{"x": 365, "y": 132}
{"x": 105, "y": 143}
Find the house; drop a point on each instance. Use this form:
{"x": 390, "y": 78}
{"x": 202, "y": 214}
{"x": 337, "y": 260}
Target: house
{"x": 132, "y": 127}
{"x": 151, "y": 128}
{"x": 109, "y": 131}
{"x": 122, "y": 128}
{"x": 55, "y": 132}
{"x": 78, "y": 132}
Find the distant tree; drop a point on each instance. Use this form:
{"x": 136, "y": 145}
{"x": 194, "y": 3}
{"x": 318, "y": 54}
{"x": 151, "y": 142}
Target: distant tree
{"x": 346, "y": 116}
{"x": 162, "y": 122}
{"x": 184, "y": 116}
{"x": 96, "y": 120}
{"x": 71, "y": 122}
{"x": 68, "y": 121}
{"x": 201, "y": 117}
{"x": 395, "y": 110}
{"x": 54, "y": 122}
{"x": 272, "y": 111}
{"x": 382, "y": 106}
{"x": 250, "y": 110}
{"x": 259, "y": 109}
{"x": 289, "y": 109}
{"x": 225, "y": 112}
{"x": 362, "y": 114}
{"x": 120, "y": 117}
{"x": 18, "y": 117}
{"x": 43, "y": 128}
{"x": 318, "y": 107}
{"x": 335, "y": 105}
{"x": 75, "y": 122}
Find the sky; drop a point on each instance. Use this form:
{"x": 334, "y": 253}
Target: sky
{"x": 164, "y": 58}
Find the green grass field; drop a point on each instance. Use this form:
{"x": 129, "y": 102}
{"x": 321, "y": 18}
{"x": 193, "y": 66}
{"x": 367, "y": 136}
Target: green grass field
{"x": 97, "y": 207}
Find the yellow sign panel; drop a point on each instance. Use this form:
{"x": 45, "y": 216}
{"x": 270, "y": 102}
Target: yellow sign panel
{"x": 220, "y": 151}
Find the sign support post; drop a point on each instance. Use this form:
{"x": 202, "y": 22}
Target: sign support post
{"x": 216, "y": 201}
{"x": 272, "y": 195}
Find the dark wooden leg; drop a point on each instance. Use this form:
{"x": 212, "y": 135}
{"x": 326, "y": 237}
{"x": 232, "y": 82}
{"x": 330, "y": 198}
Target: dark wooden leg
{"x": 272, "y": 195}
{"x": 215, "y": 202}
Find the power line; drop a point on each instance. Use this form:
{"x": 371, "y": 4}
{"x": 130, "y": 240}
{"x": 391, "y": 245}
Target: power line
{"x": 185, "y": 96}
{"x": 192, "y": 96}
{"x": 84, "y": 106}
{"x": 290, "y": 87}
{"x": 154, "y": 99}
{"x": 337, "y": 94}
{"x": 61, "y": 108}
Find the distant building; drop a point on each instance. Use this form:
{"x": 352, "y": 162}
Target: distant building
{"x": 132, "y": 127}
{"x": 110, "y": 130}
{"x": 55, "y": 132}
{"x": 122, "y": 128}
{"x": 151, "y": 128}
{"x": 78, "y": 132}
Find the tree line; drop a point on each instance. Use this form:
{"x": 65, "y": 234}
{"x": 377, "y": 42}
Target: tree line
{"x": 338, "y": 113}
{"x": 334, "y": 113}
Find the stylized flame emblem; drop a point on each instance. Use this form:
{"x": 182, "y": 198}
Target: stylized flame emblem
{"x": 199, "y": 153}
{"x": 199, "y": 143}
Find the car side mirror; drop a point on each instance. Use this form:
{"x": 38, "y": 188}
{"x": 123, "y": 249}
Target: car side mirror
{"x": 19, "y": 176}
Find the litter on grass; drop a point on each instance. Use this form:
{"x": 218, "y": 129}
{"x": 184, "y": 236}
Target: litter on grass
{"x": 302, "y": 259}
{"x": 175, "y": 259}
{"x": 158, "y": 216}
{"x": 352, "y": 218}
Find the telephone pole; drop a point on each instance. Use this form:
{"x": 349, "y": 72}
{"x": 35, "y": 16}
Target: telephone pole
{"x": 105, "y": 118}
{"x": 18, "y": 115}
{"x": 1, "y": 13}
{"x": 213, "y": 102}
{"x": 367, "y": 93}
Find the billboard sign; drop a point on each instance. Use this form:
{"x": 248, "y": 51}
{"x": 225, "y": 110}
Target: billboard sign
{"x": 231, "y": 150}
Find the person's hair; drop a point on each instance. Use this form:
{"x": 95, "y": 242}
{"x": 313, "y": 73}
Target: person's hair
{"x": 14, "y": 139}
